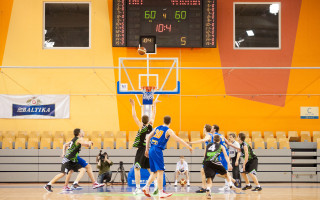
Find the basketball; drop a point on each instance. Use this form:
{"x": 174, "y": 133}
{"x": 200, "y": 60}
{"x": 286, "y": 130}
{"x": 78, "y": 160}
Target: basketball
{"x": 183, "y": 182}
{"x": 142, "y": 50}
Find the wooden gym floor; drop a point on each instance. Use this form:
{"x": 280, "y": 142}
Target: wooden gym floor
{"x": 274, "y": 191}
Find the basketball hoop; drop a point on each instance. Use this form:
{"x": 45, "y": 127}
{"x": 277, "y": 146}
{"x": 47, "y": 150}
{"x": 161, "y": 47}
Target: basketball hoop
{"x": 148, "y": 92}
{"x": 147, "y": 100}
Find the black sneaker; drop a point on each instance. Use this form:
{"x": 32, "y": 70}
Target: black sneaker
{"x": 48, "y": 188}
{"x": 202, "y": 190}
{"x": 257, "y": 189}
{"x": 247, "y": 187}
{"x": 237, "y": 184}
{"x": 75, "y": 186}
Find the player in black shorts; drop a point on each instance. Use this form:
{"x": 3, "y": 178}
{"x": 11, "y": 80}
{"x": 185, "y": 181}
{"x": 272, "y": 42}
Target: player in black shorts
{"x": 145, "y": 127}
{"x": 213, "y": 166}
{"x": 250, "y": 164}
{"x": 70, "y": 160}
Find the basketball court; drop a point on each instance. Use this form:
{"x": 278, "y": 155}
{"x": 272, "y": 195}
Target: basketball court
{"x": 94, "y": 69}
{"x": 281, "y": 191}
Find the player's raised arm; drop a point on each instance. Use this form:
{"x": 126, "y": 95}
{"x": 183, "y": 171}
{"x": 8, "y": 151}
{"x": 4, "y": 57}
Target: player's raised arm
{"x": 154, "y": 111}
{"x": 134, "y": 113}
{"x": 178, "y": 139}
{"x": 230, "y": 144}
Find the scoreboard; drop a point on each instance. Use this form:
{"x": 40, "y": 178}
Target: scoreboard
{"x": 173, "y": 23}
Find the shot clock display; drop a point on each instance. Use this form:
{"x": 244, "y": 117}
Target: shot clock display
{"x": 174, "y": 23}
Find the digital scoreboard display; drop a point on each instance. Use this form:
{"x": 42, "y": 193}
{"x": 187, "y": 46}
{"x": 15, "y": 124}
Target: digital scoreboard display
{"x": 174, "y": 23}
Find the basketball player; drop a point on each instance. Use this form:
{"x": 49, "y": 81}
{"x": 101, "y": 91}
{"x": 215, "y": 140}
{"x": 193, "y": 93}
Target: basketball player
{"x": 208, "y": 138}
{"x": 145, "y": 127}
{"x": 224, "y": 142}
{"x": 250, "y": 164}
{"x": 209, "y": 130}
{"x": 212, "y": 164}
{"x": 158, "y": 139}
{"x": 234, "y": 157}
{"x": 70, "y": 159}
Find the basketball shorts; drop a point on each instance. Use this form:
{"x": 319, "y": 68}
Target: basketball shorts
{"x": 141, "y": 161}
{"x": 211, "y": 169}
{"x": 251, "y": 167}
{"x": 82, "y": 162}
{"x": 156, "y": 159}
{"x": 68, "y": 166}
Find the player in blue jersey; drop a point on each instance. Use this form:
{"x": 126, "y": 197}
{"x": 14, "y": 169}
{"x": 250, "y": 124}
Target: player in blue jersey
{"x": 158, "y": 139}
{"x": 209, "y": 132}
{"x": 208, "y": 138}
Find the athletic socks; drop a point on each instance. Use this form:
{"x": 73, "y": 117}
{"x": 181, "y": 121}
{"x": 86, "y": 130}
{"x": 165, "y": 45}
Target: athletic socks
{"x": 49, "y": 183}
{"x": 176, "y": 182}
{"x": 137, "y": 185}
{"x": 188, "y": 182}
{"x": 209, "y": 189}
{"x": 258, "y": 186}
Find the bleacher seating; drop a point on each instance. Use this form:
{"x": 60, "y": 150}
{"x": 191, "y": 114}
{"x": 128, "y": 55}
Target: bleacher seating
{"x": 45, "y": 143}
{"x": 316, "y": 135}
{"x": 280, "y": 134}
{"x": 96, "y": 143}
{"x": 305, "y": 136}
{"x": 292, "y": 134}
{"x": 20, "y": 143}
{"x": 7, "y": 143}
{"x": 22, "y": 134}
{"x": 108, "y": 143}
{"x": 284, "y": 143}
{"x": 268, "y": 134}
{"x": 272, "y": 143}
{"x": 171, "y": 144}
{"x": 46, "y": 134}
{"x": 107, "y": 139}
{"x": 57, "y": 143}
{"x": 9, "y": 134}
{"x": 194, "y": 136}
{"x": 256, "y": 134}
{"x": 33, "y": 143}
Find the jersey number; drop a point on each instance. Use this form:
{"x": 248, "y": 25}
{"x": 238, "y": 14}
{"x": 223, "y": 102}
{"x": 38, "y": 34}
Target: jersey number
{"x": 158, "y": 134}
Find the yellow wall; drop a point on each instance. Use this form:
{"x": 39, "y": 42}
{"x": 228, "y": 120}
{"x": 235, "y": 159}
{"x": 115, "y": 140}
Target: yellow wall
{"x": 24, "y": 48}
{"x": 111, "y": 112}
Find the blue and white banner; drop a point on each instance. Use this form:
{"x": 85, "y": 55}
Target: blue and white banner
{"x": 35, "y": 106}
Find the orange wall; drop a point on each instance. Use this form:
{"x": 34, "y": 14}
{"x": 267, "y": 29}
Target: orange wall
{"x": 233, "y": 113}
{"x": 204, "y": 97}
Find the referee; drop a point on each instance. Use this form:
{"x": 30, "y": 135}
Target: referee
{"x": 234, "y": 157}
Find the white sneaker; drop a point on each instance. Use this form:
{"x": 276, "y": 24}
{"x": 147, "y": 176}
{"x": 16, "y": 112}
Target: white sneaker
{"x": 97, "y": 185}
{"x": 225, "y": 188}
{"x": 146, "y": 191}
{"x": 137, "y": 191}
{"x": 164, "y": 194}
